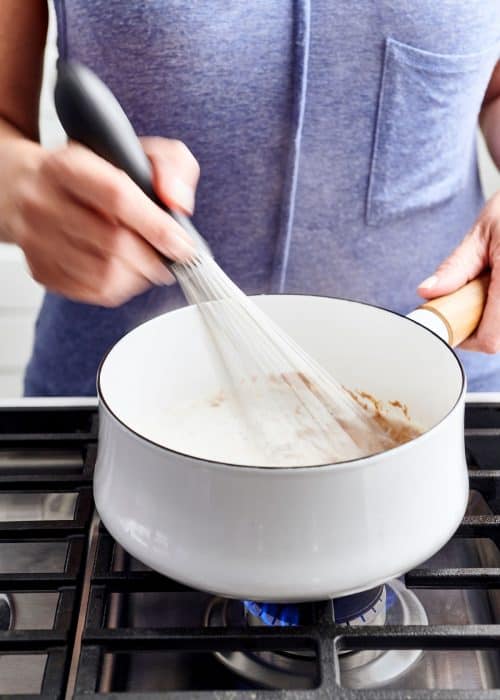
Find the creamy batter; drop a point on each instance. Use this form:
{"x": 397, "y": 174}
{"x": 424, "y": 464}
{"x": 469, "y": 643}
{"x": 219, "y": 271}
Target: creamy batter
{"x": 267, "y": 424}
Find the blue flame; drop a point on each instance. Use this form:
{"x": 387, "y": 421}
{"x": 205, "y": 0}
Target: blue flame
{"x": 346, "y": 608}
{"x": 391, "y": 596}
{"x": 274, "y": 614}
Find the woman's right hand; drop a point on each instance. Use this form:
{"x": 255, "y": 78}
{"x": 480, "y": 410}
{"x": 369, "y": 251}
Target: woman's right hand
{"x": 87, "y": 231}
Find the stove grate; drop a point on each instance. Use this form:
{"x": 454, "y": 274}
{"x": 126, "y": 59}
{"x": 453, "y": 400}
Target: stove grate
{"x": 76, "y": 430}
{"x": 24, "y": 455}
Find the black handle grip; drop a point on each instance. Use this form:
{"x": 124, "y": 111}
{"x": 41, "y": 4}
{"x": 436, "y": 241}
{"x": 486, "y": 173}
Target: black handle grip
{"x": 91, "y": 115}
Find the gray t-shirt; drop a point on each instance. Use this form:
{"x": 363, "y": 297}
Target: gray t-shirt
{"x": 337, "y": 144}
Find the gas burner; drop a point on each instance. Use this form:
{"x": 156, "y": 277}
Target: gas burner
{"x": 273, "y": 614}
{"x": 6, "y": 613}
{"x": 391, "y": 604}
{"x": 365, "y": 608}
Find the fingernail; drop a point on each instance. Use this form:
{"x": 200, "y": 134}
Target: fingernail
{"x": 429, "y": 283}
{"x": 184, "y": 250}
{"x": 182, "y": 194}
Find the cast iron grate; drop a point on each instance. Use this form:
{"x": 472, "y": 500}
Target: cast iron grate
{"x": 21, "y": 429}
{"x": 30, "y": 441}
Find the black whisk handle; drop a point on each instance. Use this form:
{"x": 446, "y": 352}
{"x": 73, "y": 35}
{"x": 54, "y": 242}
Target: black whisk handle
{"x": 91, "y": 115}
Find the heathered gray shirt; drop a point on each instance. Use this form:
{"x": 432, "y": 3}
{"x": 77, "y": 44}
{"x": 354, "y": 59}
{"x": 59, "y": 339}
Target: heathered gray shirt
{"x": 336, "y": 141}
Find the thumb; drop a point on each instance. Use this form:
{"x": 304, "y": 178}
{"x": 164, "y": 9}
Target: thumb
{"x": 463, "y": 265}
{"x": 175, "y": 171}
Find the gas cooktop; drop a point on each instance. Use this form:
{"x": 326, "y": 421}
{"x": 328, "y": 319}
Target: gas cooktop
{"x": 79, "y": 618}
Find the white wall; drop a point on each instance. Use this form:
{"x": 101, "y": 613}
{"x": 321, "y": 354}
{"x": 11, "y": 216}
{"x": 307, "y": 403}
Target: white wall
{"x": 51, "y": 131}
{"x": 20, "y": 296}
{"x": 490, "y": 176}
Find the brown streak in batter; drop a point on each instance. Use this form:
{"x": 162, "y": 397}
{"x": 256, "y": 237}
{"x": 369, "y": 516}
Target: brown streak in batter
{"x": 400, "y": 431}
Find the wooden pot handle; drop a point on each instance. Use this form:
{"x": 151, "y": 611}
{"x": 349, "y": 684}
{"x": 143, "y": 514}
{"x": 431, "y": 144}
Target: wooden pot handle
{"x": 461, "y": 311}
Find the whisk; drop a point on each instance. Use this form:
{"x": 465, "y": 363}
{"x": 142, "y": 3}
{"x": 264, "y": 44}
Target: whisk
{"x": 291, "y": 405}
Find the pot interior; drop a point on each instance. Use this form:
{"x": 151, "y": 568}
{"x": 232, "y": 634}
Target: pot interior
{"x": 170, "y": 360}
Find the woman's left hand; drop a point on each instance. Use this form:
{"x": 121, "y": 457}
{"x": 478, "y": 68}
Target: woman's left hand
{"x": 479, "y": 250}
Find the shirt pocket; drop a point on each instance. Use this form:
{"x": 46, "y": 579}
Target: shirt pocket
{"x": 425, "y": 129}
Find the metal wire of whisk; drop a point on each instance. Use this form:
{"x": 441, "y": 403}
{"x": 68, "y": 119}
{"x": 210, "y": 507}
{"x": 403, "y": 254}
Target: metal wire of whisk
{"x": 302, "y": 401}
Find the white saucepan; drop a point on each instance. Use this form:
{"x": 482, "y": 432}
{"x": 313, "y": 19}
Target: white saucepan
{"x": 289, "y": 534}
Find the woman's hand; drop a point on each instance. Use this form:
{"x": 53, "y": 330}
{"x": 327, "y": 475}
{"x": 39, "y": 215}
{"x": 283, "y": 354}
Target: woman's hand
{"x": 87, "y": 231}
{"x": 480, "y": 249}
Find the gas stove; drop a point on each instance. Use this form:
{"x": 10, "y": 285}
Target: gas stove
{"x": 79, "y": 618}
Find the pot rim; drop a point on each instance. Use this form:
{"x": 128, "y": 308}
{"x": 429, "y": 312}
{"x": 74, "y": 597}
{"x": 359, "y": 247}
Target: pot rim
{"x": 350, "y": 463}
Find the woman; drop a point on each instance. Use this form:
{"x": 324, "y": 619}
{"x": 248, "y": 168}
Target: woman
{"x": 337, "y": 151}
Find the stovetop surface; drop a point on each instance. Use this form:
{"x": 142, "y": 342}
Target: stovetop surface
{"x": 87, "y": 621}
